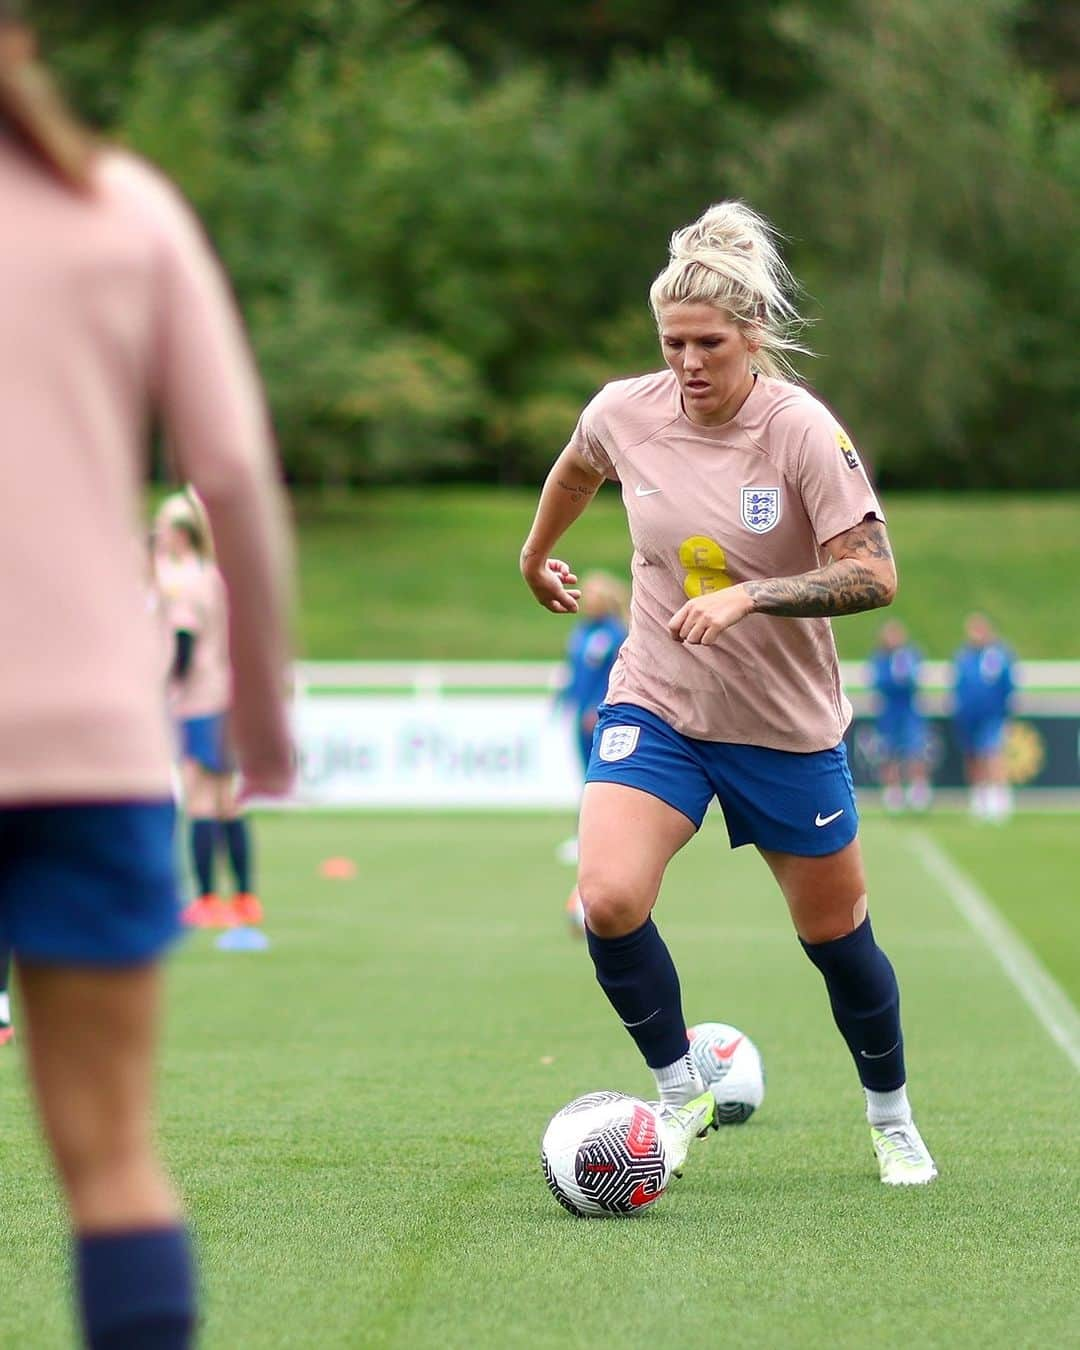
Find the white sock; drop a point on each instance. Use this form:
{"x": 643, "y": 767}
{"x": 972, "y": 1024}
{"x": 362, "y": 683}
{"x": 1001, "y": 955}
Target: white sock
{"x": 680, "y": 1082}
{"x": 919, "y": 796}
{"x": 999, "y": 801}
{"x": 5, "y": 1008}
{"x": 888, "y": 1108}
{"x": 893, "y": 798}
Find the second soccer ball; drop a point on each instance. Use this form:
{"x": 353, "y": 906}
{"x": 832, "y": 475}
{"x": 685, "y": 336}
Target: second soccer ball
{"x": 729, "y": 1062}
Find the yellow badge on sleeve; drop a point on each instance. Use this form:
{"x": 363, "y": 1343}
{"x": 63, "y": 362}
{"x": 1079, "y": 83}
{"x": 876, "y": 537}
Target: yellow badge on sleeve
{"x": 843, "y": 440}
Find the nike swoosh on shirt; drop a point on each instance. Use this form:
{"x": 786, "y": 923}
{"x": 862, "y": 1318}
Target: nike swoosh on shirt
{"x": 642, "y": 491}
{"x": 820, "y": 820}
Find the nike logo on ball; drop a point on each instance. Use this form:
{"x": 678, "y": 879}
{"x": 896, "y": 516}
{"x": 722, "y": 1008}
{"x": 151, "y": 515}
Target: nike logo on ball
{"x": 640, "y": 1196}
{"x": 724, "y": 1052}
{"x": 820, "y": 820}
{"x": 642, "y": 491}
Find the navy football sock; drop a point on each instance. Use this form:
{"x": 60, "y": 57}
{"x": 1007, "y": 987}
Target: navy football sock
{"x": 203, "y": 839}
{"x": 637, "y": 974}
{"x": 238, "y": 841}
{"x": 865, "y": 1002}
{"x": 137, "y": 1290}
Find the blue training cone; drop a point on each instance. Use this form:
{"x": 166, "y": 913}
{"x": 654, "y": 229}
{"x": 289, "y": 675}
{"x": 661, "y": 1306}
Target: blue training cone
{"x": 242, "y": 940}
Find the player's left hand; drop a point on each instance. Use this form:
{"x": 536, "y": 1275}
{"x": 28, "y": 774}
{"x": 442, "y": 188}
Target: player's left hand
{"x": 703, "y": 619}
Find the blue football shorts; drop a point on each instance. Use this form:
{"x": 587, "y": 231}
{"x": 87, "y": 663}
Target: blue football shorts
{"x": 981, "y": 735}
{"x": 91, "y": 885}
{"x": 205, "y": 740}
{"x": 903, "y": 735}
{"x": 777, "y": 799}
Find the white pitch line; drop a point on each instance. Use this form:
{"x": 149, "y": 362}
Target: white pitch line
{"x": 1036, "y": 986}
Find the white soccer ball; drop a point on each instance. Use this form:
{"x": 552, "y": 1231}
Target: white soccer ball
{"x": 729, "y": 1062}
{"x": 604, "y": 1155}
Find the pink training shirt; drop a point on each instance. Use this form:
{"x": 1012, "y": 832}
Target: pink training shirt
{"x": 709, "y": 507}
{"x": 196, "y": 602}
{"x": 113, "y": 307}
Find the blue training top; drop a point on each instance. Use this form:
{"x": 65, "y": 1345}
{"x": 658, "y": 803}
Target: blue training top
{"x": 984, "y": 682}
{"x": 895, "y": 677}
{"x": 590, "y": 654}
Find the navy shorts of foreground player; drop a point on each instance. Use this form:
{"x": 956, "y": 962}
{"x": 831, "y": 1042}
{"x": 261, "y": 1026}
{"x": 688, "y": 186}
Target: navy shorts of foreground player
{"x": 88, "y": 885}
{"x": 777, "y": 799}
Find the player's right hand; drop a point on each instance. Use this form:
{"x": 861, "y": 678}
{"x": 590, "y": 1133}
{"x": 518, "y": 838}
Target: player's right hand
{"x": 266, "y": 757}
{"x": 554, "y": 585}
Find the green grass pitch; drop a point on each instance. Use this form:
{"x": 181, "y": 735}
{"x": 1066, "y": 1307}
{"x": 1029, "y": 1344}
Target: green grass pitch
{"x": 354, "y": 1116}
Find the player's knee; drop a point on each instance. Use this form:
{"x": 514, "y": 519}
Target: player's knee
{"x": 612, "y": 908}
{"x": 201, "y": 796}
{"x": 827, "y": 923}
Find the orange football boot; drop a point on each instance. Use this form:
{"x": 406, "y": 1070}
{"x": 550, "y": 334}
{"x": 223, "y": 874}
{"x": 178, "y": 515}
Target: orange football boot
{"x": 246, "y": 908}
{"x": 208, "y": 911}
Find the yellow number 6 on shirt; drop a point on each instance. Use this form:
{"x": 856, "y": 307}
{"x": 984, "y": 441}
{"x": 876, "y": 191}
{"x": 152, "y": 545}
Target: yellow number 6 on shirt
{"x": 706, "y": 566}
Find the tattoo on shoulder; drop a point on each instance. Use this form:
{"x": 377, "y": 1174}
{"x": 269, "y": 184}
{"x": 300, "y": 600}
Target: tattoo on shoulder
{"x": 868, "y": 539}
{"x": 579, "y": 491}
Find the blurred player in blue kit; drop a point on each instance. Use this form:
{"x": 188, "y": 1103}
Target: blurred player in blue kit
{"x": 983, "y": 684}
{"x": 594, "y": 644}
{"x": 901, "y": 728}
{"x": 590, "y": 654}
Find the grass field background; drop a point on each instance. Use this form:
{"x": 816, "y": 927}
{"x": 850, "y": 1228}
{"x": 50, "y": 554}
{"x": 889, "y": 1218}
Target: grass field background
{"x": 432, "y": 574}
{"x": 354, "y": 1115}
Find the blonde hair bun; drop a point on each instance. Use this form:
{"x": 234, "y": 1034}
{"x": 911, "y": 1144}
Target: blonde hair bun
{"x": 729, "y": 258}
{"x": 722, "y": 228}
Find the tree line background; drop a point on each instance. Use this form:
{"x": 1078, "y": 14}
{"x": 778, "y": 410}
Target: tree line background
{"x": 442, "y": 219}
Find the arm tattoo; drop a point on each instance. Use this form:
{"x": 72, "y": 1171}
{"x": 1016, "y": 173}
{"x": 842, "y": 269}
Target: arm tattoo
{"x": 579, "y": 491}
{"x": 867, "y": 540}
{"x": 846, "y": 585}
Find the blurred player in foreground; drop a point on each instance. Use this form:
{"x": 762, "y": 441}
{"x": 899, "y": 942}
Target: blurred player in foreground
{"x": 983, "y": 685}
{"x": 590, "y": 654}
{"x": 752, "y": 522}
{"x": 113, "y": 310}
{"x": 901, "y": 728}
{"x": 193, "y": 594}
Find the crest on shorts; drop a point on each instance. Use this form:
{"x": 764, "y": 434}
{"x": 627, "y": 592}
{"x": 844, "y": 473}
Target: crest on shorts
{"x": 760, "y": 508}
{"x": 618, "y": 742}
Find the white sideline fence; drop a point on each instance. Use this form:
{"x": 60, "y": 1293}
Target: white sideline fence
{"x": 472, "y": 735}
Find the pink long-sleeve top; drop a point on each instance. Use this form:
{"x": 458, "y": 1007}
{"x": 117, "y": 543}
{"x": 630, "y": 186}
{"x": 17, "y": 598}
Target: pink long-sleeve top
{"x": 114, "y": 311}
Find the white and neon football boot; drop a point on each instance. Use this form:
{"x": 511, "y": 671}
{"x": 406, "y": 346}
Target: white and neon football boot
{"x": 903, "y": 1158}
{"x": 682, "y": 1124}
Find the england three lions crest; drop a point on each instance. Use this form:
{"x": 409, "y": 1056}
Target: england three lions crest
{"x": 760, "y": 508}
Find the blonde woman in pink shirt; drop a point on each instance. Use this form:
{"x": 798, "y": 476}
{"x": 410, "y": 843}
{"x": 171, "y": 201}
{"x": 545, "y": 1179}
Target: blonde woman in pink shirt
{"x": 201, "y": 689}
{"x": 114, "y": 310}
{"x": 753, "y": 524}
